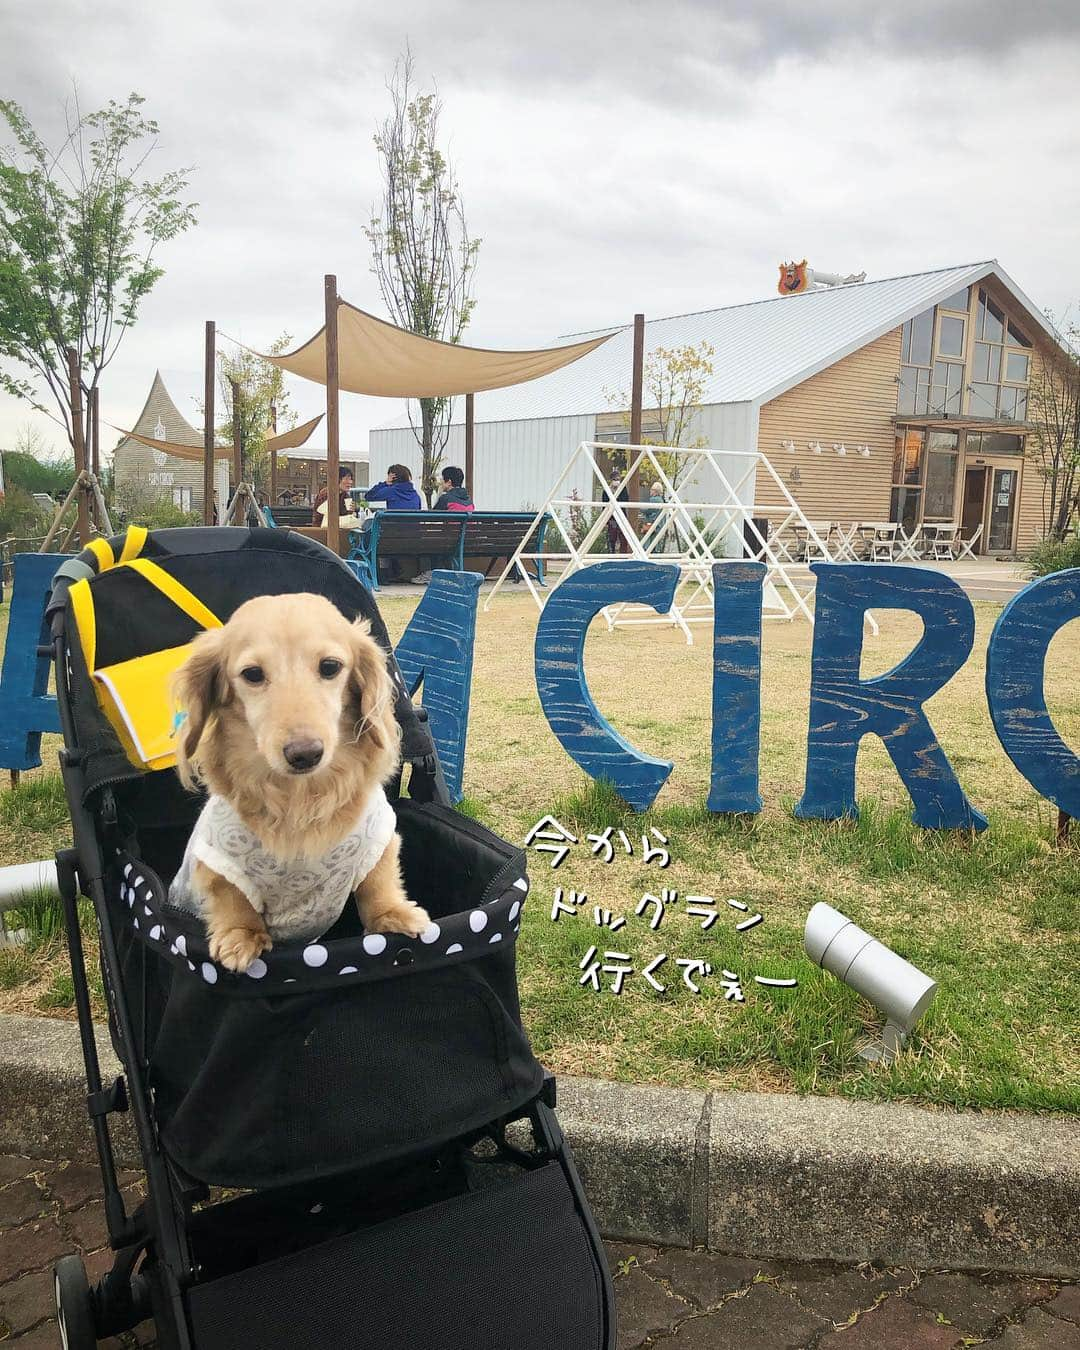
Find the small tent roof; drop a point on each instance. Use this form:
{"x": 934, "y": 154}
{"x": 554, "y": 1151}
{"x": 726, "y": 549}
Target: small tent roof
{"x": 286, "y": 440}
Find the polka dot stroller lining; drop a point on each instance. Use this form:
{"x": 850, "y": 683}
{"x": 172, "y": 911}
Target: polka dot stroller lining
{"x": 179, "y": 937}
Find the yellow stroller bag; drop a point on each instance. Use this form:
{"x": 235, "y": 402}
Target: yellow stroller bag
{"x": 135, "y": 694}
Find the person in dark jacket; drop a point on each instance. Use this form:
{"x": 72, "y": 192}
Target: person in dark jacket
{"x": 397, "y": 492}
{"x": 454, "y": 496}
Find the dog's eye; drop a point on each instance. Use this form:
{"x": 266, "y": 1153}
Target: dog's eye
{"x": 253, "y": 674}
{"x": 328, "y": 667}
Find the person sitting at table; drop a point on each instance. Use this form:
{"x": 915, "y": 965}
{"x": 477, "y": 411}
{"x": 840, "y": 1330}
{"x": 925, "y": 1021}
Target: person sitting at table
{"x": 397, "y": 491}
{"x": 454, "y": 495}
{"x": 347, "y": 517}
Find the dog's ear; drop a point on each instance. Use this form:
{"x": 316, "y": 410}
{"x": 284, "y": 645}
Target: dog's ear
{"x": 372, "y": 687}
{"x": 199, "y": 687}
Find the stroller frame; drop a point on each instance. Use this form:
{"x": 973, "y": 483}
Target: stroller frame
{"x": 154, "y": 1270}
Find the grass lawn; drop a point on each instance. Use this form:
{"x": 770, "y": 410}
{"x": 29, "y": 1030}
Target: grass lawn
{"x": 992, "y": 918}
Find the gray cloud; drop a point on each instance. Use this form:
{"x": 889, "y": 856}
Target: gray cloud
{"x": 613, "y": 156}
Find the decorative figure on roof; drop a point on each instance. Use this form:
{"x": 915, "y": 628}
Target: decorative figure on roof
{"x": 793, "y": 278}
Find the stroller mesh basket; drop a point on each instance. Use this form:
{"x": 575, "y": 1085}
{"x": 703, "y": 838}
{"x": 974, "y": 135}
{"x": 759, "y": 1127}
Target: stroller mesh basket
{"x": 345, "y": 1082}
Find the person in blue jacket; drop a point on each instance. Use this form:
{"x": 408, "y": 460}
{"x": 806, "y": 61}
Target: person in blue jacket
{"x": 397, "y": 492}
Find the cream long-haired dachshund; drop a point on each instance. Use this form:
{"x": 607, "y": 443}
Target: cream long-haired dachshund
{"x": 290, "y": 724}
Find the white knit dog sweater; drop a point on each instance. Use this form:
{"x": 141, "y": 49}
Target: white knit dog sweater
{"x": 299, "y": 900}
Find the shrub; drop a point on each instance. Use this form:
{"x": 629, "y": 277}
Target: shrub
{"x": 1054, "y": 555}
{"x": 20, "y": 515}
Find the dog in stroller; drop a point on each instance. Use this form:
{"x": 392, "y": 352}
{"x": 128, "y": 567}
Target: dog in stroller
{"x": 390, "y": 1164}
{"x": 288, "y": 719}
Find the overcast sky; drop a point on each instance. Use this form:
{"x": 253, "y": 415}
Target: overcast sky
{"x": 613, "y": 156}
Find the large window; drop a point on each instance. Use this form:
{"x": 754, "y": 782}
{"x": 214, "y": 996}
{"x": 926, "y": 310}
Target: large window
{"x": 942, "y": 454}
{"x": 993, "y": 443}
{"x": 1001, "y": 364}
{"x": 932, "y": 348}
{"x": 907, "y": 476}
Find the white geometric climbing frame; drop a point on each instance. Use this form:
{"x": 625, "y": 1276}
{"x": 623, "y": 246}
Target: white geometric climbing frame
{"x": 692, "y": 535}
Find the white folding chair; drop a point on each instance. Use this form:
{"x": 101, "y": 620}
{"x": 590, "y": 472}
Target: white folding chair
{"x": 814, "y": 551}
{"x": 845, "y": 543}
{"x": 907, "y": 544}
{"x": 883, "y": 545}
{"x": 944, "y": 543}
{"x": 965, "y": 548}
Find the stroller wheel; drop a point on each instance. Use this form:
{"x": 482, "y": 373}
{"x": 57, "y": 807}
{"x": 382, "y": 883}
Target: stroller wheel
{"x": 74, "y": 1309}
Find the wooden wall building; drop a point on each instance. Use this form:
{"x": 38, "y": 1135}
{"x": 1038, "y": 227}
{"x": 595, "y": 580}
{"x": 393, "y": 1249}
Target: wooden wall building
{"x": 902, "y": 399}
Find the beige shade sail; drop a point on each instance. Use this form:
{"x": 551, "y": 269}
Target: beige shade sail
{"x": 375, "y": 357}
{"x": 287, "y": 440}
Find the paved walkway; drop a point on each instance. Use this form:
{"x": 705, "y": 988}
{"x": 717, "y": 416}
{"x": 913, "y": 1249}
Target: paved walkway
{"x": 675, "y": 1300}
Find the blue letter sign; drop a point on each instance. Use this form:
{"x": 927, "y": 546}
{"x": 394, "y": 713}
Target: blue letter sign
{"x": 26, "y": 710}
{"x": 437, "y": 648}
{"x": 843, "y": 707}
{"x": 1015, "y": 662}
{"x": 560, "y": 672}
{"x": 736, "y": 690}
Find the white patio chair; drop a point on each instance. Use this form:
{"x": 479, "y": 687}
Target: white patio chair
{"x": 942, "y": 548}
{"x": 965, "y": 548}
{"x": 883, "y": 545}
{"x": 782, "y": 543}
{"x": 846, "y": 550}
{"x": 907, "y": 544}
{"x": 814, "y": 551}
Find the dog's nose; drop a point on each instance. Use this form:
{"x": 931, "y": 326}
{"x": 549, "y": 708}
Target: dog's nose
{"x": 303, "y": 754}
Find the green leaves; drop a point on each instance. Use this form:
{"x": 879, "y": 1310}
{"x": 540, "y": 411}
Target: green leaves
{"x": 79, "y": 226}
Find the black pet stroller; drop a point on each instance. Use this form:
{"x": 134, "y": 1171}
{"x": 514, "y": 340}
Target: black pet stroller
{"x": 351, "y": 1144}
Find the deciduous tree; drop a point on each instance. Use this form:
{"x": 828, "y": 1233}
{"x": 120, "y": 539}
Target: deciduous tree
{"x": 1054, "y": 445}
{"x": 421, "y": 250}
{"x": 262, "y": 385}
{"x": 80, "y": 226}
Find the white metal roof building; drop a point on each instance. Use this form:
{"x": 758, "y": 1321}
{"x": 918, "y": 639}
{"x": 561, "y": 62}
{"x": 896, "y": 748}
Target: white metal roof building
{"x": 763, "y": 349}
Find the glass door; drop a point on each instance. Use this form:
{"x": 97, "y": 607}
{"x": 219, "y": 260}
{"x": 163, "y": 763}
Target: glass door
{"x": 1003, "y": 495}
{"x": 971, "y": 515}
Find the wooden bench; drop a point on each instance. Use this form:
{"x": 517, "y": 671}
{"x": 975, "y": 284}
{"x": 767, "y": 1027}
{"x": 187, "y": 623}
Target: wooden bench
{"x": 491, "y": 535}
{"x": 408, "y": 534}
{"x": 454, "y": 535}
{"x": 287, "y": 517}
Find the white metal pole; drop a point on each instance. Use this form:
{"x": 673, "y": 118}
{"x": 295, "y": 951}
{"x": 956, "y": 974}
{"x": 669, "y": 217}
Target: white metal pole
{"x": 26, "y": 879}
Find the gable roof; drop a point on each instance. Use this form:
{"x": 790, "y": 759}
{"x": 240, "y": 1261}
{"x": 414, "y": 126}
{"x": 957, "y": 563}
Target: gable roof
{"x": 762, "y": 348}
{"x": 159, "y": 404}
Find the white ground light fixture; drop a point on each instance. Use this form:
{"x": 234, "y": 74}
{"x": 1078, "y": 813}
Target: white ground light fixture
{"x": 894, "y": 986}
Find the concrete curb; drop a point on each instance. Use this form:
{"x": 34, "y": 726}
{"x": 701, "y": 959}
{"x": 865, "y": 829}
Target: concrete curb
{"x": 812, "y": 1178}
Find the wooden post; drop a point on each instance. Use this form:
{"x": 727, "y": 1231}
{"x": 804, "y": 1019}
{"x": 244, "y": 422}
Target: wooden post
{"x": 208, "y": 426}
{"x": 273, "y": 457}
{"x": 238, "y": 454}
{"x": 332, "y": 446}
{"x": 95, "y": 432}
{"x": 1063, "y": 828}
{"x": 95, "y": 457}
{"x": 78, "y": 433}
{"x": 633, "y": 487}
{"x": 470, "y": 443}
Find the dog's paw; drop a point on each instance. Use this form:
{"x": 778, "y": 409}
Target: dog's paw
{"x": 236, "y": 948}
{"x": 402, "y": 917}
